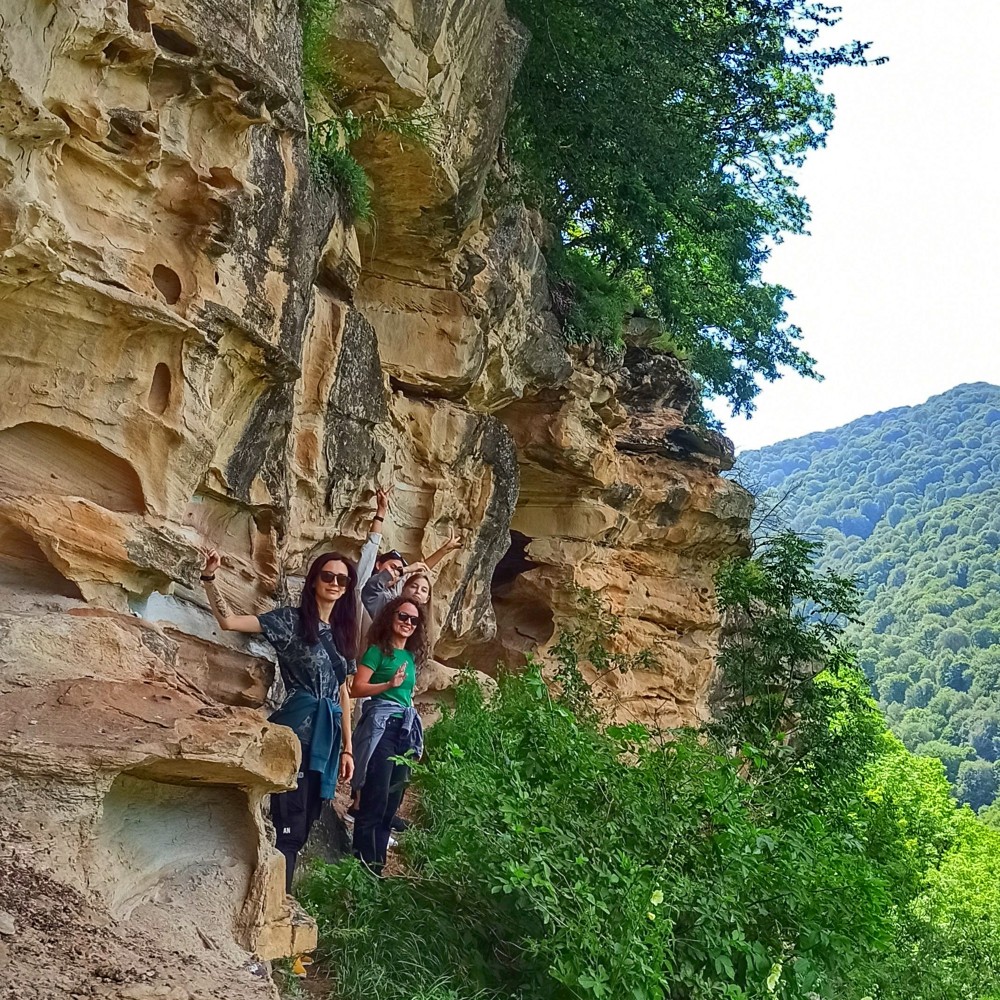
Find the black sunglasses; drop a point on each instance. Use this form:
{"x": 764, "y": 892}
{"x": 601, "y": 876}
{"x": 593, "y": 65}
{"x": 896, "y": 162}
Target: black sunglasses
{"x": 341, "y": 579}
{"x": 407, "y": 619}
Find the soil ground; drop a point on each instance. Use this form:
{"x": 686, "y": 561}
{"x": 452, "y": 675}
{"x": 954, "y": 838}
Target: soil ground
{"x": 65, "y": 948}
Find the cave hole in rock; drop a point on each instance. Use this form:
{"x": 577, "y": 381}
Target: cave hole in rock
{"x": 124, "y": 133}
{"x": 41, "y": 459}
{"x": 159, "y": 389}
{"x": 25, "y": 567}
{"x": 166, "y": 82}
{"x": 173, "y": 41}
{"x": 241, "y": 82}
{"x": 274, "y": 101}
{"x": 174, "y": 857}
{"x": 514, "y": 562}
{"x": 168, "y": 282}
{"x": 222, "y": 179}
{"x": 524, "y": 616}
{"x": 137, "y": 18}
{"x": 120, "y": 51}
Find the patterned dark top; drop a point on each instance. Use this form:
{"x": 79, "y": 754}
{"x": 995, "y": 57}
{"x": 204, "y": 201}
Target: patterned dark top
{"x": 303, "y": 667}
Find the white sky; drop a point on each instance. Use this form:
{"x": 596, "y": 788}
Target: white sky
{"x": 898, "y": 286}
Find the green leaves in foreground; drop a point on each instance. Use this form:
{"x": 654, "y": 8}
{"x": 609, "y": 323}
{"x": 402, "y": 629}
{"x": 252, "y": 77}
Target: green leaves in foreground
{"x": 555, "y": 859}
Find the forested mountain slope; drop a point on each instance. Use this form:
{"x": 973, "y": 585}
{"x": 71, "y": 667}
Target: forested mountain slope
{"x": 909, "y": 500}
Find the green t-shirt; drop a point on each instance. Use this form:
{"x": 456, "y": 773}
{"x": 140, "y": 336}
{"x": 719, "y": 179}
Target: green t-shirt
{"x": 383, "y": 669}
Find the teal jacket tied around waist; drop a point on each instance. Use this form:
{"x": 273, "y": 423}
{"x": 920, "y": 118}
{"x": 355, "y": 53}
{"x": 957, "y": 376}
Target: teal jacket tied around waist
{"x": 317, "y": 723}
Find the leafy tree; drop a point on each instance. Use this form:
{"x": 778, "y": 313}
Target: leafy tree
{"x": 953, "y": 639}
{"x": 660, "y": 138}
{"x": 892, "y": 687}
{"x": 955, "y": 674}
{"x": 990, "y": 815}
{"x": 951, "y": 756}
{"x": 984, "y": 735}
{"x": 930, "y": 604}
{"x": 920, "y": 694}
{"x": 785, "y": 622}
{"x": 976, "y": 783}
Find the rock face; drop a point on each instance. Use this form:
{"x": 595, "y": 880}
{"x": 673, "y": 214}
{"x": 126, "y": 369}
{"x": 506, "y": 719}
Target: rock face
{"x": 198, "y": 348}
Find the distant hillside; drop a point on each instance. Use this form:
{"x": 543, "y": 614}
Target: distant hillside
{"x": 909, "y": 500}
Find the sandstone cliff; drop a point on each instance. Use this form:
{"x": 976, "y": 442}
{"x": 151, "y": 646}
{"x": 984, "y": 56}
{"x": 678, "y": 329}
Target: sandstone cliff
{"x": 198, "y": 348}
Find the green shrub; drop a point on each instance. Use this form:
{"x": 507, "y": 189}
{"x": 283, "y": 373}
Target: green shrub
{"x": 316, "y": 18}
{"x": 396, "y": 939}
{"x": 592, "y": 304}
{"x": 554, "y": 859}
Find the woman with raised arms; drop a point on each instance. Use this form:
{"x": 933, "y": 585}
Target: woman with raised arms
{"x": 315, "y": 647}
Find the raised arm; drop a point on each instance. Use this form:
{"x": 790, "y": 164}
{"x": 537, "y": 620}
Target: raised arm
{"x": 454, "y": 543}
{"x": 382, "y": 498}
{"x": 226, "y": 619}
{"x": 369, "y": 551}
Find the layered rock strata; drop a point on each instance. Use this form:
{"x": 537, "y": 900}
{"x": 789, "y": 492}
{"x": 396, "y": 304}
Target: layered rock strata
{"x": 198, "y": 348}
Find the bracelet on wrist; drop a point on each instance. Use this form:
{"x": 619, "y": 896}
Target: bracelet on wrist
{"x": 346, "y": 753}
{"x": 378, "y": 517}
{"x": 207, "y": 579}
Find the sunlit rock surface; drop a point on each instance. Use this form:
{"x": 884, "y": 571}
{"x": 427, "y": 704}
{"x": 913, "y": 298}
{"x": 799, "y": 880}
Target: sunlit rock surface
{"x": 198, "y": 348}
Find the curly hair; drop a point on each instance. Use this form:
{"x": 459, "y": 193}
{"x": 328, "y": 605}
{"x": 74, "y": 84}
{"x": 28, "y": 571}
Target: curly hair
{"x": 380, "y": 634}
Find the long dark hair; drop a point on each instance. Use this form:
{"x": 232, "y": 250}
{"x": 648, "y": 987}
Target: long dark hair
{"x": 343, "y": 620}
{"x": 380, "y": 634}
{"x": 421, "y": 575}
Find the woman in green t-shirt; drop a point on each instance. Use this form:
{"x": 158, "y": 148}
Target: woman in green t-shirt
{"x": 389, "y": 726}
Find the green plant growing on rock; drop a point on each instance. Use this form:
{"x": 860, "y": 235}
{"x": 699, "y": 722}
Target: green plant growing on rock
{"x": 588, "y": 638}
{"x": 330, "y": 161}
{"x": 332, "y": 130}
{"x": 335, "y": 169}
{"x": 316, "y": 18}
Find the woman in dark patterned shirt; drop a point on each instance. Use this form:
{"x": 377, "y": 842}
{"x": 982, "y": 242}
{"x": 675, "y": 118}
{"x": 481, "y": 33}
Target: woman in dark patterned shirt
{"x": 315, "y": 647}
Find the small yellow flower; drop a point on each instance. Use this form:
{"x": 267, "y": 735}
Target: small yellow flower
{"x": 656, "y": 898}
{"x": 650, "y": 915}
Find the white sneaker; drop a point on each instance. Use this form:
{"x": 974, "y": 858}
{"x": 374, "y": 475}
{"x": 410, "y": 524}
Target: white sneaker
{"x": 392, "y": 843}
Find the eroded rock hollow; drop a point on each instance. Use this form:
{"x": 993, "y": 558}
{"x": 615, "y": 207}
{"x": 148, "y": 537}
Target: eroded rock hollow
{"x": 198, "y": 348}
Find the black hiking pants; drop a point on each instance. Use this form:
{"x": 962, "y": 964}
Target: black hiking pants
{"x": 293, "y": 814}
{"x": 381, "y": 795}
